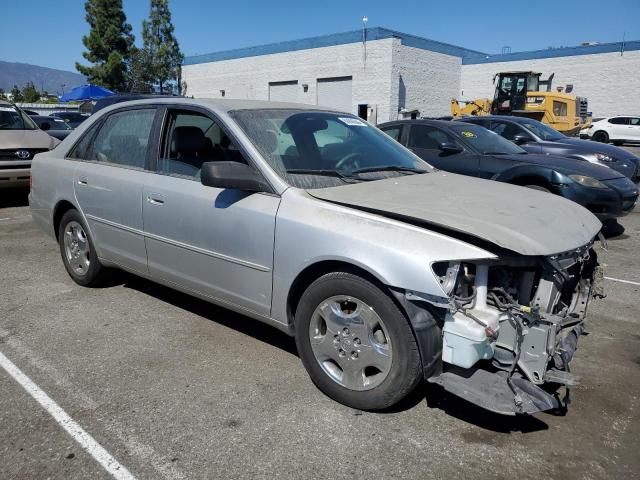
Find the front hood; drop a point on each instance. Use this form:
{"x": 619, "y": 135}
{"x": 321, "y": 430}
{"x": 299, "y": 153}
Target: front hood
{"x": 589, "y": 146}
{"x": 515, "y": 218}
{"x": 26, "y": 139}
{"x": 567, "y": 165}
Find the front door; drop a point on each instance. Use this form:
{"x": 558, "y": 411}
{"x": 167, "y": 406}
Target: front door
{"x": 212, "y": 241}
{"x": 108, "y": 182}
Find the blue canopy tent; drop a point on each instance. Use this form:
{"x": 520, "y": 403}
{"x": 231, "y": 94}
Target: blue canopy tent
{"x": 86, "y": 92}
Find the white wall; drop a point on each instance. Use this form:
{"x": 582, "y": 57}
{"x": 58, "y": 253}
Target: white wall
{"x": 424, "y": 80}
{"x": 610, "y": 82}
{"x": 250, "y": 77}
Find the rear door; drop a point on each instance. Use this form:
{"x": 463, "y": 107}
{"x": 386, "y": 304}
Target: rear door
{"x": 617, "y": 128}
{"x": 425, "y": 141}
{"x": 212, "y": 241}
{"x": 108, "y": 183}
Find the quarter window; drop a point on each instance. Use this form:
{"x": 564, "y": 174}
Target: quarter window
{"x": 394, "y": 132}
{"x": 506, "y": 130}
{"x": 634, "y": 121}
{"x": 123, "y": 138}
{"x": 428, "y": 138}
{"x": 81, "y": 149}
{"x": 618, "y": 121}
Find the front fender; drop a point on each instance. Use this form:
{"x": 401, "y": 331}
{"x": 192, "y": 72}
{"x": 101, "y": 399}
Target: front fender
{"x": 309, "y": 231}
{"x": 547, "y": 174}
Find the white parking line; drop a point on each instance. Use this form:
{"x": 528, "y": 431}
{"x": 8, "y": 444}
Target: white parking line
{"x": 622, "y": 281}
{"x": 85, "y": 440}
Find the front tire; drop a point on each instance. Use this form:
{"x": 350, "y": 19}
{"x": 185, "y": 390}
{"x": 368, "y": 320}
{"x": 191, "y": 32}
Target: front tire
{"x": 600, "y": 136}
{"x": 78, "y": 253}
{"x": 355, "y": 343}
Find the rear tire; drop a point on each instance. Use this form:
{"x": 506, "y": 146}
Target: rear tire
{"x": 356, "y": 344}
{"x": 600, "y": 136}
{"x": 78, "y": 252}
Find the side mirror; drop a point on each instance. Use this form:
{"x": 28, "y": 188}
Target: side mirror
{"x": 448, "y": 147}
{"x": 521, "y": 139}
{"x": 233, "y": 175}
{"x": 45, "y": 126}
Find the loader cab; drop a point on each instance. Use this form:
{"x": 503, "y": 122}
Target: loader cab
{"x": 511, "y": 91}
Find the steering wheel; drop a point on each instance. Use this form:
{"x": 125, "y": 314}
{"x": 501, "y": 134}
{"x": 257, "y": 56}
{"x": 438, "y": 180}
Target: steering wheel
{"x": 350, "y": 161}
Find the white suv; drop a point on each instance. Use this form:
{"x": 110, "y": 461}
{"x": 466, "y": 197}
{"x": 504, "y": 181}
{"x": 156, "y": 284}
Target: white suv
{"x": 614, "y": 129}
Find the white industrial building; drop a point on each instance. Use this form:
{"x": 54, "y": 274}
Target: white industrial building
{"x": 382, "y": 74}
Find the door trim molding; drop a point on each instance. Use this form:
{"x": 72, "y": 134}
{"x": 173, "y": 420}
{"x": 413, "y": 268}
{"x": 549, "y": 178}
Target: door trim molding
{"x": 202, "y": 251}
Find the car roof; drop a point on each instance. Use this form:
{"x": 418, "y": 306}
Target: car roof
{"x": 511, "y": 118}
{"x": 419, "y": 121}
{"x": 227, "y": 105}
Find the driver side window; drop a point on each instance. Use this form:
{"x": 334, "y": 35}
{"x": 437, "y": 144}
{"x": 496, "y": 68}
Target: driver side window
{"x": 189, "y": 140}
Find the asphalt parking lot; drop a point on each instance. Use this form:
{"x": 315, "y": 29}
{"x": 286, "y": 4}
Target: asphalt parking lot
{"x": 172, "y": 387}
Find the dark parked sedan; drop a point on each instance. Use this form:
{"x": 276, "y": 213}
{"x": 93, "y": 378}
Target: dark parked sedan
{"x": 55, "y": 127}
{"x": 72, "y": 118}
{"x": 473, "y": 150}
{"x": 536, "y": 137}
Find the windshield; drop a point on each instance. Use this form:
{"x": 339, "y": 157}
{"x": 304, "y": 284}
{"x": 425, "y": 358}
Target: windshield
{"x": 312, "y": 149}
{"x": 541, "y": 130}
{"x": 485, "y": 141}
{"x": 12, "y": 118}
{"x": 60, "y": 125}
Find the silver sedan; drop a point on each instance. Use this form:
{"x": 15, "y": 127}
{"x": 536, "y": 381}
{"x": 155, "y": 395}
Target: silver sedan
{"x": 387, "y": 271}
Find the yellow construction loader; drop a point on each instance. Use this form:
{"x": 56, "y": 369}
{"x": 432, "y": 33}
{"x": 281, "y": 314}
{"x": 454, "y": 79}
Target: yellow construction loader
{"x": 520, "y": 94}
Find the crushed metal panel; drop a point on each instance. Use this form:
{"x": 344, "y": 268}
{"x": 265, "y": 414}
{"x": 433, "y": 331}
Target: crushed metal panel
{"x": 515, "y": 218}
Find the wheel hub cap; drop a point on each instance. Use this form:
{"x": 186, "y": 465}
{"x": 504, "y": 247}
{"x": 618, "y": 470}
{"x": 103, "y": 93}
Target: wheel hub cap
{"x": 350, "y": 342}
{"x": 76, "y": 248}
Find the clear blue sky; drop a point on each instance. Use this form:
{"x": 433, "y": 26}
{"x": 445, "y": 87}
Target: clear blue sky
{"x": 49, "y": 32}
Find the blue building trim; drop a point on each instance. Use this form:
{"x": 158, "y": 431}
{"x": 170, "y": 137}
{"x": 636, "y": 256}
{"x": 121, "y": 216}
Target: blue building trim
{"x": 553, "y": 53}
{"x": 354, "y": 36}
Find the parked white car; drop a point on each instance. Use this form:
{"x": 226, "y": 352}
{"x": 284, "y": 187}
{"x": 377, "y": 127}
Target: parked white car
{"x": 614, "y": 129}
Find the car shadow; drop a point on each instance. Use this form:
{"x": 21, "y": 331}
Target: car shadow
{"x": 14, "y": 197}
{"x": 434, "y": 396}
{"x": 241, "y": 323}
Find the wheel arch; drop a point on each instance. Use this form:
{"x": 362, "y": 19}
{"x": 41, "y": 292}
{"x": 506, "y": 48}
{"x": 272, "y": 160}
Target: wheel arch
{"x": 316, "y": 270}
{"x": 529, "y": 175}
{"x": 62, "y": 207}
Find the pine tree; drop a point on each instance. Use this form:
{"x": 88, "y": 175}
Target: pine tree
{"x": 2, "y": 94}
{"x": 16, "y": 94}
{"x": 161, "y": 46}
{"x": 108, "y": 44}
{"x": 30, "y": 93}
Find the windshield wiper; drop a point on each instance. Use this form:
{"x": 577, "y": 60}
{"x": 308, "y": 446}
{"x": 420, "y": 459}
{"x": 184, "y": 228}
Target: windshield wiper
{"x": 311, "y": 171}
{"x": 389, "y": 168}
{"x": 495, "y": 153}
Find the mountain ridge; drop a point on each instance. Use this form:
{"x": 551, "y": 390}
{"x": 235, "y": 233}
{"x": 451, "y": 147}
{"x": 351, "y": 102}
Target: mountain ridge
{"x": 44, "y": 78}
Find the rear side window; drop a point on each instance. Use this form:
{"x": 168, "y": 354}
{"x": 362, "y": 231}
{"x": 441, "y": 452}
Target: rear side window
{"x": 428, "y": 138}
{"x": 506, "y": 130}
{"x": 394, "y": 132}
{"x": 123, "y": 138}
{"x": 618, "y": 120}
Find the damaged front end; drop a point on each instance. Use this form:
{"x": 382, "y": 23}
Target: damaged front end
{"x": 511, "y": 328}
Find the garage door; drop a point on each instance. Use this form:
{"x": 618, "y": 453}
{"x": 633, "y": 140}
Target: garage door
{"x": 336, "y": 93}
{"x": 283, "y": 91}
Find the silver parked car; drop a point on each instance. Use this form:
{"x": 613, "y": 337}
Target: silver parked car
{"x": 385, "y": 270}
